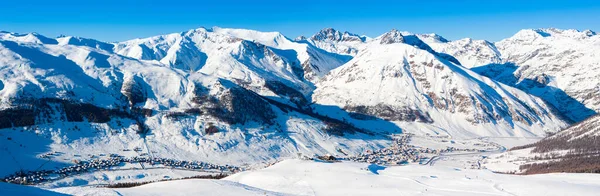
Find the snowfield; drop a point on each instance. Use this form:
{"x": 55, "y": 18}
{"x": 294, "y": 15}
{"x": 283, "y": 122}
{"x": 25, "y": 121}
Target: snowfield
{"x": 298, "y": 177}
{"x": 13, "y": 189}
{"x": 314, "y": 178}
{"x": 178, "y": 187}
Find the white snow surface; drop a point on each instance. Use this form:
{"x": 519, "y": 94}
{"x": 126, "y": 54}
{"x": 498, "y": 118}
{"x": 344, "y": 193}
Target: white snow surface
{"x": 13, "y": 189}
{"x": 298, "y": 177}
{"x": 315, "y": 178}
{"x": 177, "y": 187}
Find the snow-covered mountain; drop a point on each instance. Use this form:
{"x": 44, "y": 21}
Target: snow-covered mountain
{"x": 559, "y": 66}
{"x": 240, "y": 96}
{"x": 216, "y": 47}
{"x": 205, "y": 94}
{"x": 400, "y": 82}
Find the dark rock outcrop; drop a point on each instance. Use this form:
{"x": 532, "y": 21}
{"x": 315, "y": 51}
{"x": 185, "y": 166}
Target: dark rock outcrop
{"x": 235, "y": 105}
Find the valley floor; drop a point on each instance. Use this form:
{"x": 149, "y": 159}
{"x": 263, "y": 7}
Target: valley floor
{"x": 458, "y": 171}
{"x": 459, "y": 167}
{"x": 300, "y": 177}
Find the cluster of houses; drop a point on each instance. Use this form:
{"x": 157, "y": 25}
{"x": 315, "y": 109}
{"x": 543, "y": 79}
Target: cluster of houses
{"x": 399, "y": 153}
{"x": 40, "y": 176}
{"x": 402, "y": 153}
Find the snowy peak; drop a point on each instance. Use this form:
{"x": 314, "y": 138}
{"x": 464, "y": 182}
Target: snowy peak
{"x": 27, "y": 38}
{"x": 80, "y": 41}
{"x": 330, "y": 34}
{"x": 334, "y": 41}
{"x": 391, "y": 37}
{"x": 432, "y": 38}
{"x": 528, "y": 34}
{"x": 252, "y": 54}
{"x": 300, "y": 38}
{"x": 272, "y": 39}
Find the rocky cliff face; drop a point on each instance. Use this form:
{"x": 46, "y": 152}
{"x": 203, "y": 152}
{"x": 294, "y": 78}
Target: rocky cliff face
{"x": 330, "y": 34}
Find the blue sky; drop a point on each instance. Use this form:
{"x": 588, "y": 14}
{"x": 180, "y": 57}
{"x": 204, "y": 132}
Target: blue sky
{"x": 117, "y": 20}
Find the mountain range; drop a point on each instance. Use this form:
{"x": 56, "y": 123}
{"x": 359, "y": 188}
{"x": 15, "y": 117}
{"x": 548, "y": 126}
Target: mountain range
{"x": 244, "y": 96}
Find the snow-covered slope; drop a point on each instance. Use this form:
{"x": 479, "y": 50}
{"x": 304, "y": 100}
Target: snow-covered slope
{"x": 178, "y": 187}
{"x": 13, "y": 189}
{"x": 400, "y": 82}
{"x": 346, "y": 178}
{"x": 296, "y": 177}
{"x": 560, "y": 66}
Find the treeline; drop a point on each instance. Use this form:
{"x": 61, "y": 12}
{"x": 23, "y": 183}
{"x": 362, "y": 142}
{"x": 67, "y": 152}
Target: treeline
{"x": 586, "y": 164}
{"x": 582, "y": 143}
{"x": 285, "y": 91}
{"x": 390, "y": 113}
{"x": 580, "y": 138}
{"x": 332, "y": 126}
{"x": 134, "y": 184}
{"x": 579, "y": 144}
{"x": 28, "y": 112}
{"x": 235, "y": 105}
